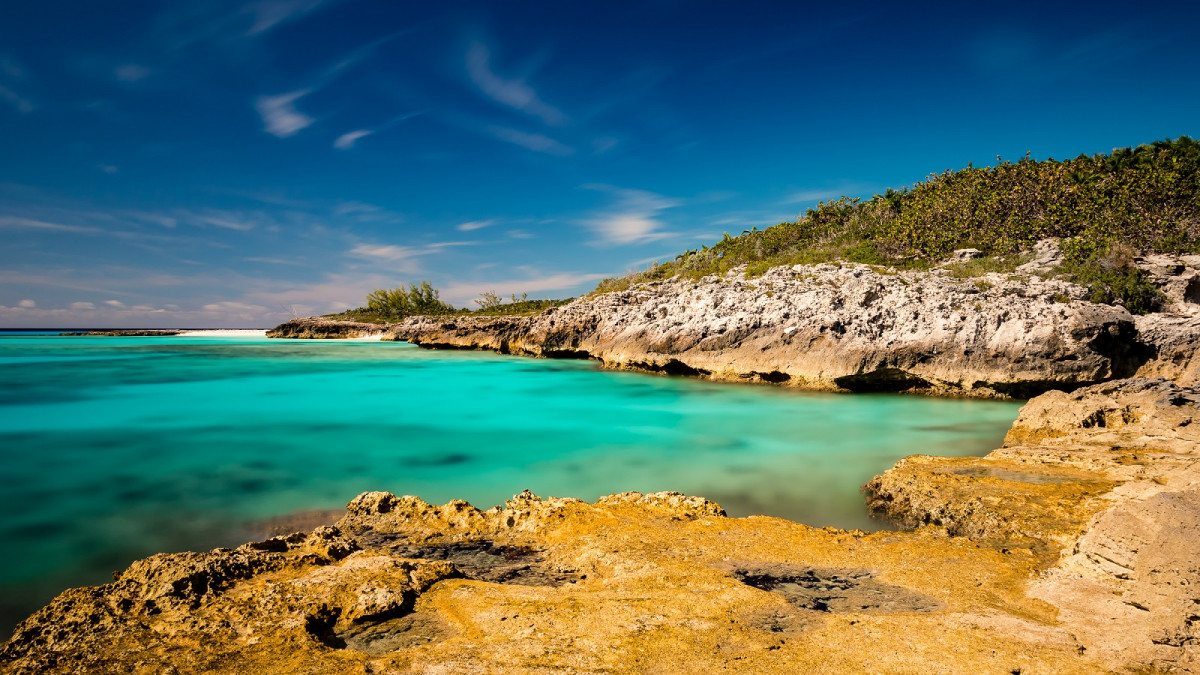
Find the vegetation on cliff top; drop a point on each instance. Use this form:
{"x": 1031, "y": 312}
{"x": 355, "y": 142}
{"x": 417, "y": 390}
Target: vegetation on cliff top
{"x": 1106, "y": 208}
{"x": 386, "y": 305}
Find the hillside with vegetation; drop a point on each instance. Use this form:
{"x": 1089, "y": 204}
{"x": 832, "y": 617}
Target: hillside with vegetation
{"x": 1106, "y": 208}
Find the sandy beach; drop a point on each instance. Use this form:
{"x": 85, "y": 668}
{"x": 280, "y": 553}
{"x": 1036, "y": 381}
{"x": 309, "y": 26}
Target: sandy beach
{"x": 223, "y": 333}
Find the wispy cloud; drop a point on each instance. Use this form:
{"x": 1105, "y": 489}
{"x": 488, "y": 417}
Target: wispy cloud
{"x": 279, "y": 115}
{"x": 473, "y": 225}
{"x": 462, "y": 293}
{"x": 514, "y": 93}
{"x": 534, "y": 142}
{"x": 268, "y": 14}
{"x": 18, "y": 223}
{"x": 395, "y": 254}
{"x": 633, "y": 219}
{"x": 384, "y": 251}
{"x": 346, "y": 140}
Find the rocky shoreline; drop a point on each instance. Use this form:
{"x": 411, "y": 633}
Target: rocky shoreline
{"x": 1072, "y": 548}
{"x": 1069, "y": 549}
{"x": 847, "y": 327}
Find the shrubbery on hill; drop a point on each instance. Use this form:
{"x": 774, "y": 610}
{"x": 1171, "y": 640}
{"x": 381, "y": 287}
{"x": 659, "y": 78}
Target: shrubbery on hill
{"x": 1134, "y": 199}
{"x": 387, "y": 305}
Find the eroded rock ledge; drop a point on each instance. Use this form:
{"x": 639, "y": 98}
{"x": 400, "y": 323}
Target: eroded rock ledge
{"x": 829, "y": 327}
{"x": 320, "y": 328}
{"x": 1070, "y": 549}
{"x": 848, "y": 327}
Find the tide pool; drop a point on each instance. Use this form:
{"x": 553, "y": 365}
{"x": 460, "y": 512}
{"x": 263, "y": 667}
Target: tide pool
{"x": 115, "y": 448}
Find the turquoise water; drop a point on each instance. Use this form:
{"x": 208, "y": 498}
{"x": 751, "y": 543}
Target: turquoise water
{"x": 115, "y": 448}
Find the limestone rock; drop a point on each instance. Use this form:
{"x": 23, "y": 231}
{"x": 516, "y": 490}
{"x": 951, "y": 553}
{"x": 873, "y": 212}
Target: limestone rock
{"x": 320, "y": 328}
{"x": 845, "y": 327}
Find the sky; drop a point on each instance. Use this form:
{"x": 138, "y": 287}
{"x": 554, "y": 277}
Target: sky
{"x": 234, "y": 163}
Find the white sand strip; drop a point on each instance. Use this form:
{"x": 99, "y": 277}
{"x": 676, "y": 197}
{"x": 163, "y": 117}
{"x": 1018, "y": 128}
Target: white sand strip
{"x": 223, "y": 333}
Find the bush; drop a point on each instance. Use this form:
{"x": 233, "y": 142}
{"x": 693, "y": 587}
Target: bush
{"x": 1147, "y": 198}
{"x": 397, "y": 303}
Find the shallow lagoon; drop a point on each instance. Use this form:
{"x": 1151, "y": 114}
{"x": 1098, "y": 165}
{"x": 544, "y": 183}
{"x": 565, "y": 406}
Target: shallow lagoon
{"x": 115, "y": 448}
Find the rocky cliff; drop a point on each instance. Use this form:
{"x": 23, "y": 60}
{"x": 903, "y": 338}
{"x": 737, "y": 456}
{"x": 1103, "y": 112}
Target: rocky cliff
{"x": 846, "y": 327}
{"x": 1070, "y": 549}
{"x": 851, "y": 327}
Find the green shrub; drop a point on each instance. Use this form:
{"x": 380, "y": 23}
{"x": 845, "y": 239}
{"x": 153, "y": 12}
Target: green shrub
{"x": 1146, "y": 197}
{"x": 397, "y": 303}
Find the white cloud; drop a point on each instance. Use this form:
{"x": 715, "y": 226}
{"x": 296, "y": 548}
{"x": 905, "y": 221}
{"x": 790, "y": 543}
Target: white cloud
{"x": 228, "y": 221}
{"x": 114, "y": 303}
{"x": 519, "y": 234}
{"x": 392, "y": 252}
{"x": 513, "y": 93}
{"x": 384, "y": 252}
{"x": 463, "y": 293}
{"x": 473, "y": 225}
{"x": 27, "y": 304}
{"x": 131, "y": 72}
{"x": 81, "y": 306}
{"x": 633, "y": 219}
{"x": 279, "y": 115}
{"x": 346, "y": 140}
{"x": 534, "y": 142}
{"x": 270, "y": 13}
{"x": 16, "y": 223}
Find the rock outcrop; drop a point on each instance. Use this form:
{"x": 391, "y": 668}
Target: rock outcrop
{"x": 833, "y": 327}
{"x": 1103, "y": 485}
{"x": 316, "y": 327}
{"x": 1070, "y": 549}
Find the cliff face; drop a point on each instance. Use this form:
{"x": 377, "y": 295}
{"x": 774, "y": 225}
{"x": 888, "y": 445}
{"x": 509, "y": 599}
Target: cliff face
{"x": 1074, "y": 552}
{"x": 829, "y": 327}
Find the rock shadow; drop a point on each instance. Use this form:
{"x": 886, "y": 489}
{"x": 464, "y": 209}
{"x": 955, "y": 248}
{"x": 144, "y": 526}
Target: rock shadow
{"x": 835, "y": 591}
{"x": 1010, "y": 475}
{"x": 481, "y": 560}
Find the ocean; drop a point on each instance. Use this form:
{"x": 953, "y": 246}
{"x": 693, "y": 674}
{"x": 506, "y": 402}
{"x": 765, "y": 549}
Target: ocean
{"x": 114, "y": 448}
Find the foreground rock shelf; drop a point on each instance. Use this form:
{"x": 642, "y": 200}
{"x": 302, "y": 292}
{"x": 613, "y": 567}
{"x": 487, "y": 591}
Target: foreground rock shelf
{"x": 1070, "y": 549}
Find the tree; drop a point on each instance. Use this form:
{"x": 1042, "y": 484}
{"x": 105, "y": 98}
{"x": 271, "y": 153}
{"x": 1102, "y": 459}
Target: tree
{"x": 397, "y": 303}
{"x": 488, "y": 300}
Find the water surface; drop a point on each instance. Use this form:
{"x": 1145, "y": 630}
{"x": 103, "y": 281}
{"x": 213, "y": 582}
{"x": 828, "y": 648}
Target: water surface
{"x": 115, "y": 448}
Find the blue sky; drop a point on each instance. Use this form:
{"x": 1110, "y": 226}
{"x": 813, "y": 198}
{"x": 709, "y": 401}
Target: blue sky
{"x": 230, "y": 162}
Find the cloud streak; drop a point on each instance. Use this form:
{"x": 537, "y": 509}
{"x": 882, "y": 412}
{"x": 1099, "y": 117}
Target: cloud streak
{"x": 514, "y": 93}
{"x": 633, "y": 219}
{"x": 347, "y": 140}
{"x": 279, "y": 114}
{"x": 534, "y": 142}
